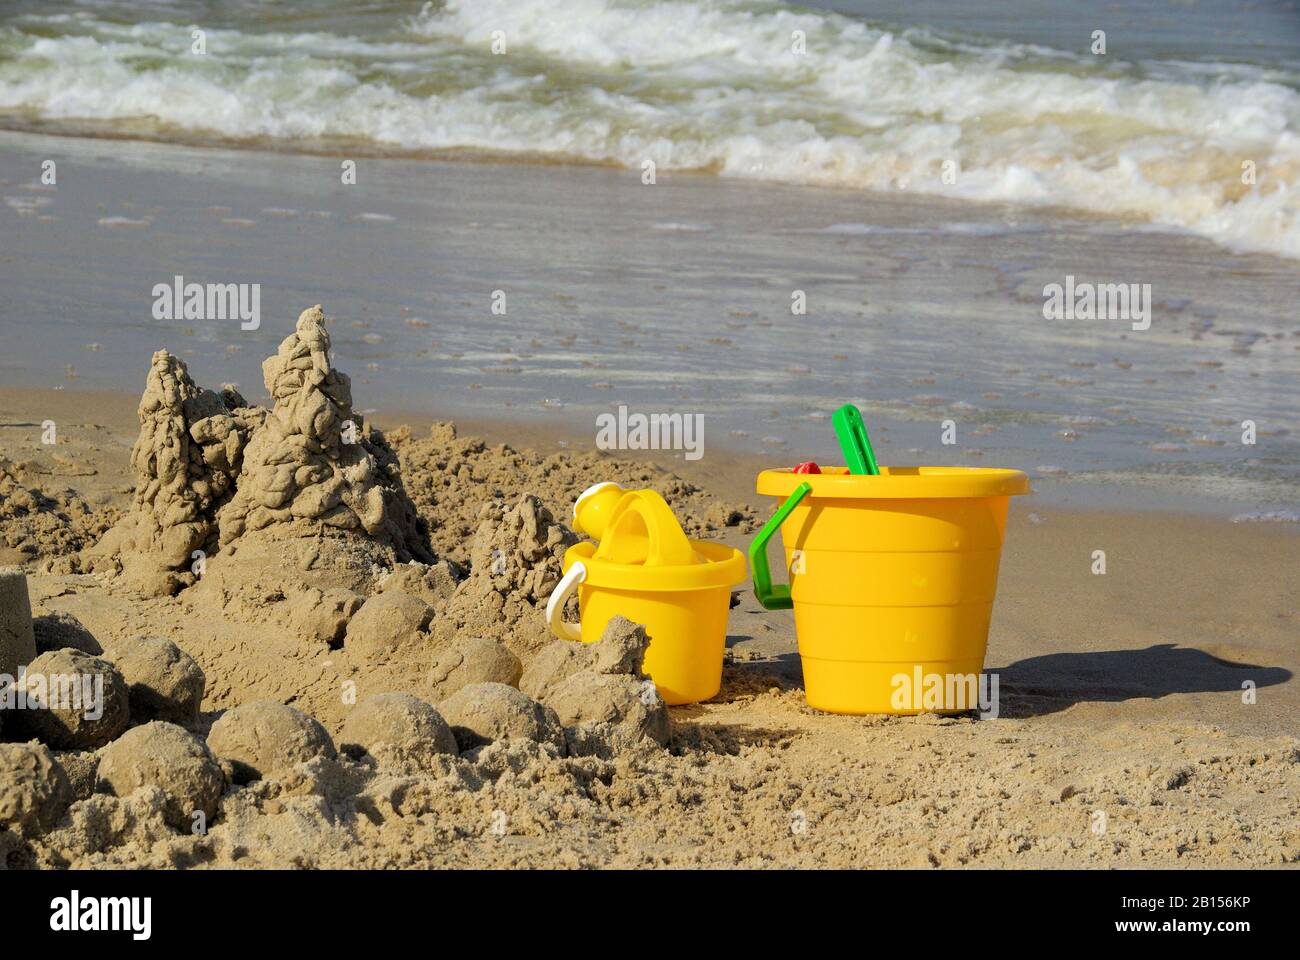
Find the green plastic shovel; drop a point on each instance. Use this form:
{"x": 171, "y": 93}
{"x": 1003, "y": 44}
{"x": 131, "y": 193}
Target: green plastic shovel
{"x": 854, "y": 442}
{"x": 858, "y": 457}
{"x": 773, "y": 596}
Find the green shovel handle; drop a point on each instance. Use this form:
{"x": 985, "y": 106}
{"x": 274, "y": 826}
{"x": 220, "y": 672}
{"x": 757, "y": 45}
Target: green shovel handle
{"x": 854, "y": 442}
{"x": 773, "y": 596}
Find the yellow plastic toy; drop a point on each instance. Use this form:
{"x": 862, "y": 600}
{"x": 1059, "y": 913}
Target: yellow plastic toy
{"x": 647, "y": 570}
{"x": 892, "y": 575}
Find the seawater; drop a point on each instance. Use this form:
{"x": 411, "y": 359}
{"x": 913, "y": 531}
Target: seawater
{"x": 1156, "y": 130}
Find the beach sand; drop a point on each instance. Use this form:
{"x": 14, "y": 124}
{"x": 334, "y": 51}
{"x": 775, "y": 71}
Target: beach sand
{"x": 1122, "y": 739}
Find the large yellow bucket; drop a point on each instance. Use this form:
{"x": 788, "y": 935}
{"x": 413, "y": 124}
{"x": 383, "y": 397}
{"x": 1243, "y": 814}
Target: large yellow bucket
{"x": 892, "y": 579}
{"x": 645, "y": 569}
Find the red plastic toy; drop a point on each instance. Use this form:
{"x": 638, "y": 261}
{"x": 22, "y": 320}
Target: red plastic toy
{"x": 807, "y": 467}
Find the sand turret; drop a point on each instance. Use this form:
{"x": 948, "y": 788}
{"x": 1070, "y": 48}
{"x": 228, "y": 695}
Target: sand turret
{"x": 312, "y": 461}
{"x": 186, "y": 459}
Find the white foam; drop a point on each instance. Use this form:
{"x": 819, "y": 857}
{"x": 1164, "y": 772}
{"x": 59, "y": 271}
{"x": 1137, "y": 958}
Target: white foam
{"x": 671, "y": 227}
{"x": 715, "y": 87}
{"x": 1269, "y": 516}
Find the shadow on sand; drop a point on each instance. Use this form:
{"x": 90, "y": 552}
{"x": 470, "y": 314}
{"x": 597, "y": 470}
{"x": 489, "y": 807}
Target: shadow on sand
{"x": 1047, "y": 684}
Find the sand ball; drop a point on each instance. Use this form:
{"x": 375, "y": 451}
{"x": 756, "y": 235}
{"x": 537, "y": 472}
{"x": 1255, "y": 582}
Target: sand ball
{"x": 170, "y": 758}
{"x": 322, "y": 614}
{"x": 385, "y": 622}
{"x": 472, "y": 660}
{"x": 74, "y": 701}
{"x": 34, "y": 789}
{"x": 54, "y": 631}
{"x": 263, "y": 737}
{"x": 401, "y": 732}
{"x": 164, "y": 681}
{"x": 483, "y": 712}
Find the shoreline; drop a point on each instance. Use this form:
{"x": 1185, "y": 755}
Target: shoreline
{"x": 523, "y": 159}
{"x": 727, "y": 472}
{"x": 473, "y": 157}
{"x": 680, "y": 300}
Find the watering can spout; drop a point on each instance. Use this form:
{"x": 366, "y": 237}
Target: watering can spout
{"x": 594, "y": 505}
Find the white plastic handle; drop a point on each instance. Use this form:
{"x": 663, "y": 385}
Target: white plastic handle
{"x": 559, "y": 596}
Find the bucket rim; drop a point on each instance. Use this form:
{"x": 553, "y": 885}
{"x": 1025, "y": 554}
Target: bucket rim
{"x": 898, "y": 483}
{"x": 724, "y": 566}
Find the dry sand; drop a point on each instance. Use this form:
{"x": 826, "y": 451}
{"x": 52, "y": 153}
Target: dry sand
{"x": 1121, "y": 695}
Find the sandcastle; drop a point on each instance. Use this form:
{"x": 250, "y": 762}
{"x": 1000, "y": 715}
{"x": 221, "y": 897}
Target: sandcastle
{"x": 294, "y": 520}
{"x": 312, "y": 461}
{"x": 212, "y": 470}
{"x": 186, "y": 459}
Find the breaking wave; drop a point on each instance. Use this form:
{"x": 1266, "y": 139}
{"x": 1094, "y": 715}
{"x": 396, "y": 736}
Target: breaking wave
{"x": 713, "y": 86}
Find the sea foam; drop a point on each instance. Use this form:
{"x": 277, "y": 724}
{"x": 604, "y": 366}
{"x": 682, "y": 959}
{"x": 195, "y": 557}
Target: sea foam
{"x": 712, "y": 87}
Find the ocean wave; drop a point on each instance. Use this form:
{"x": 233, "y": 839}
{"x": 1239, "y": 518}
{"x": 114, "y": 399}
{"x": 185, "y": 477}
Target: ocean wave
{"x": 713, "y": 87}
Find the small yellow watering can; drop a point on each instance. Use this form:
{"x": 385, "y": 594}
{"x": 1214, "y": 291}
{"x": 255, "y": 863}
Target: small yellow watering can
{"x": 645, "y": 569}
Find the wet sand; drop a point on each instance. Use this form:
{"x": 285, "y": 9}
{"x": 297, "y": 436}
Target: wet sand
{"x": 675, "y": 297}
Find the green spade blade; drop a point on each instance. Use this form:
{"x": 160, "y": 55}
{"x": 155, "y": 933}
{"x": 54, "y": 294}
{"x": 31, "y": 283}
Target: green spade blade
{"x": 854, "y": 442}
